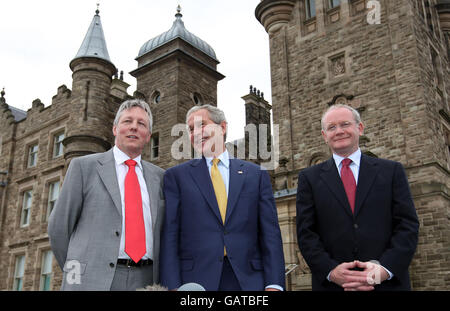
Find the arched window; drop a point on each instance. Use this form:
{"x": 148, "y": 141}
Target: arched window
{"x": 197, "y": 98}
{"x": 156, "y": 97}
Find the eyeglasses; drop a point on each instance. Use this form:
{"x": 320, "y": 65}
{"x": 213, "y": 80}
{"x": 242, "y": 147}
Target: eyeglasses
{"x": 343, "y": 125}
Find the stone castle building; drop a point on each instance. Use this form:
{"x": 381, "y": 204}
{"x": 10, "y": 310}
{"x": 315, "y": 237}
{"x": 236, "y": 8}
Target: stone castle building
{"x": 396, "y": 73}
{"x": 389, "y": 60}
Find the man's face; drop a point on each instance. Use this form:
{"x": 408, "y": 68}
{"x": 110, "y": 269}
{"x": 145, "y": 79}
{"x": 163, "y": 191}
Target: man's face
{"x": 341, "y": 132}
{"x": 132, "y": 131}
{"x": 207, "y": 137}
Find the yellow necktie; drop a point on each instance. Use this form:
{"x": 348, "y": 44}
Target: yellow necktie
{"x": 219, "y": 189}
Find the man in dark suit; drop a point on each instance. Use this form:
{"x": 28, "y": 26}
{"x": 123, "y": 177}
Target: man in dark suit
{"x": 105, "y": 227}
{"x": 221, "y": 226}
{"x": 357, "y": 226}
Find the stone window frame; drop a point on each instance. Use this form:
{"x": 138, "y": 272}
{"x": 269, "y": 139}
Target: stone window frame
{"x": 29, "y": 184}
{"x": 56, "y": 143}
{"x": 22, "y": 222}
{"x": 309, "y": 24}
{"x": 438, "y": 75}
{"x": 330, "y": 5}
{"x": 447, "y": 138}
{"x": 41, "y": 254}
{"x": 155, "y": 99}
{"x": 51, "y": 143}
{"x": 332, "y": 11}
{"x": 197, "y": 98}
{"x": 307, "y": 9}
{"x": 155, "y": 136}
{"x": 15, "y": 254}
{"x": 46, "y": 196}
{"x": 28, "y": 153}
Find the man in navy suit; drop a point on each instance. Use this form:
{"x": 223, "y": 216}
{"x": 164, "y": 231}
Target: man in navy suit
{"x": 357, "y": 226}
{"x": 237, "y": 247}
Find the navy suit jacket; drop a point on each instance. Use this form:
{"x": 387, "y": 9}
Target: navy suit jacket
{"x": 384, "y": 226}
{"x": 193, "y": 235}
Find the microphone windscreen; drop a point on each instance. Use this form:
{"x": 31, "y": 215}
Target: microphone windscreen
{"x": 153, "y": 288}
{"x": 191, "y": 287}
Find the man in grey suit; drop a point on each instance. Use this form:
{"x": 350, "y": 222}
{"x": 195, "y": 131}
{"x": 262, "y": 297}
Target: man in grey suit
{"x": 104, "y": 235}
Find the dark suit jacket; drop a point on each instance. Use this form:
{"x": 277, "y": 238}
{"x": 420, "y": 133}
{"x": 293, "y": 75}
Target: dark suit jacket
{"x": 384, "y": 226}
{"x": 193, "y": 236}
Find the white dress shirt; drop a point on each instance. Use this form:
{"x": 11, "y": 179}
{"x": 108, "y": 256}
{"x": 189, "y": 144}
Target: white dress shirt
{"x": 122, "y": 169}
{"x": 224, "y": 167}
{"x": 354, "y": 166}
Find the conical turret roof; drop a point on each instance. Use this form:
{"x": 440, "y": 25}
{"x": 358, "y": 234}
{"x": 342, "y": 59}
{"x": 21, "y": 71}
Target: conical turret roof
{"x": 94, "y": 43}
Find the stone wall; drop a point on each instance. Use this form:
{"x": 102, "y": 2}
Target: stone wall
{"x": 389, "y": 73}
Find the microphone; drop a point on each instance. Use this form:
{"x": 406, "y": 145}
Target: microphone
{"x": 153, "y": 288}
{"x": 191, "y": 287}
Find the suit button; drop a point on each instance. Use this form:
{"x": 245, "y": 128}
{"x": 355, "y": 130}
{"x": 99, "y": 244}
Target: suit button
{"x": 225, "y": 232}
{"x": 117, "y": 233}
{"x": 355, "y": 226}
{"x": 111, "y": 265}
{"x": 221, "y": 259}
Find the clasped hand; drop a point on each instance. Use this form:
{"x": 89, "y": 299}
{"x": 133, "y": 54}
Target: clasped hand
{"x": 354, "y": 280}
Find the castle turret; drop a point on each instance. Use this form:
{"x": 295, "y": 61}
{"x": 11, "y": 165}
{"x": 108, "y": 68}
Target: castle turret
{"x": 274, "y": 14}
{"x": 176, "y": 70}
{"x": 91, "y": 119}
{"x": 257, "y": 113}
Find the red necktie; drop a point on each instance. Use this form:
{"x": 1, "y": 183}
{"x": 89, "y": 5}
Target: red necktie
{"x": 349, "y": 182}
{"x": 134, "y": 218}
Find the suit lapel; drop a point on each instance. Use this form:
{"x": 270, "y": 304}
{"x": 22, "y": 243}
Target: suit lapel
{"x": 200, "y": 175}
{"x": 153, "y": 191}
{"x": 331, "y": 178}
{"x": 368, "y": 170}
{"x": 237, "y": 177}
{"x": 107, "y": 171}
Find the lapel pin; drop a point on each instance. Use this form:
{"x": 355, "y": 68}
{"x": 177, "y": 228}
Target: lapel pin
{"x": 240, "y": 172}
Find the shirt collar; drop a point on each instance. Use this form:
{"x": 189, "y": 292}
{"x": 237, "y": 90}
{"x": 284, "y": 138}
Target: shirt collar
{"x": 224, "y": 159}
{"x": 355, "y": 157}
{"x": 120, "y": 157}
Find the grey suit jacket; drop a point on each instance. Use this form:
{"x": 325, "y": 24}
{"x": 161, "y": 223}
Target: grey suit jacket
{"x": 86, "y": 223}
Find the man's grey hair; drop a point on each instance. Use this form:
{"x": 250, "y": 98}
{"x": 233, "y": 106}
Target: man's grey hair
{"x": 215, "y": 114}
{"x": 134, "y": 103}
{"x": 355, "y": 113}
